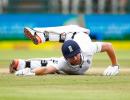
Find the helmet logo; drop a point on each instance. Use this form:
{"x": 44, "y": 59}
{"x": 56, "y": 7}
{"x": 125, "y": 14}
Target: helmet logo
{"x": 70, "y": 48}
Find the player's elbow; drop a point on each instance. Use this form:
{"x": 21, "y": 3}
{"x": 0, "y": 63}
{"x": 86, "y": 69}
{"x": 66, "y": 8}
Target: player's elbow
{"x": 106, "y": 46}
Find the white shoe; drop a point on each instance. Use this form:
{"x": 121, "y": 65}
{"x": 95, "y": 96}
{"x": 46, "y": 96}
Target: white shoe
{"x": 32, "y": 34}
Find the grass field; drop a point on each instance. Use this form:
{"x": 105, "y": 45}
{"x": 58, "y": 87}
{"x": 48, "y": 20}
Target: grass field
{"x": 92, "y": 86}
{"x": 57, "y": 87}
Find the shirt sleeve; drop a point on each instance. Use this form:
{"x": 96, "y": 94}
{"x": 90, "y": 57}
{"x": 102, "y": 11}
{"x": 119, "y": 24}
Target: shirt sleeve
{"x": 96, "y": 47}
{"x": 59, "y": 65}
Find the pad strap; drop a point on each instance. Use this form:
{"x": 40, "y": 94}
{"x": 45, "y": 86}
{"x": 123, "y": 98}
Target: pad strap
{"x": 44, "y": 62}
{"x": 62, "y": 37}
{"x": 74, "y": 35}
{"x": 27, "y": 64}
{"x": 46, "y": 35}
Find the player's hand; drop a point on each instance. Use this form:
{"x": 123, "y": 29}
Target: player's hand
{"x": 111, "y": 70}
{"x": 24, "y": 72}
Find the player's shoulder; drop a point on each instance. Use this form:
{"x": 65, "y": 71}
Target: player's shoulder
{"x": 62, "y": 60}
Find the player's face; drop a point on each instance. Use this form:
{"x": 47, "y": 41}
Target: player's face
{"x": 75, "y": 60}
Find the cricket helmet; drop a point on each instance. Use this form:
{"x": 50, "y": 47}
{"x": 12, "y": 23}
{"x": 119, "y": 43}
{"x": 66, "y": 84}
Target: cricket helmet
{"x": 70, "y": 48}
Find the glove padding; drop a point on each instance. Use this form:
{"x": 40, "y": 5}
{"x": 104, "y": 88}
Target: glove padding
{"x": 24, "y": 72}
{"x": 111, "y": 70}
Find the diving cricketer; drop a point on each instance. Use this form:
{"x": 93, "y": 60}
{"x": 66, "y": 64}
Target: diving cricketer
{"x": 77, "y": 49}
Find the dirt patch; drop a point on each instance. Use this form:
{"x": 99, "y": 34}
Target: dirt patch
{"x": 101, "y": 70}
{"x": 4, "y": 70}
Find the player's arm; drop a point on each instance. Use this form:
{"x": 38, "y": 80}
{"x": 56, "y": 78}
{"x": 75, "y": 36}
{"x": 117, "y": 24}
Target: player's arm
{"x": 44, "y": 70}
{"x": 114, "y": 68}
{"x": 36, "y": 71}
{"x": 107, "y": 47}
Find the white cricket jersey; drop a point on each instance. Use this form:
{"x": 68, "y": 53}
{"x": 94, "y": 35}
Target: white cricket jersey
{"x": 88, "y": 48}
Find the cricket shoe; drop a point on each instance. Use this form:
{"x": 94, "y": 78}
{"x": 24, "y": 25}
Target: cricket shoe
{"x": 16, "y": 64}
{"x": 32, "y": 34}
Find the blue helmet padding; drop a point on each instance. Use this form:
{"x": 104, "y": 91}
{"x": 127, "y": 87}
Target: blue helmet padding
{"x": 70, "y": 48}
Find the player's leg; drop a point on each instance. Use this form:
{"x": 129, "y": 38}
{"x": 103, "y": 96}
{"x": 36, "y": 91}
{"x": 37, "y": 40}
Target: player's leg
{"x": 61, "y": 33}
{"x": 39, "y": 35}
{"x": 36, "y": 36}
{"x": 19, "y": 64}
{"x": 31, "y": 65}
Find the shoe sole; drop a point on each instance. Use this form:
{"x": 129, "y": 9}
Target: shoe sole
{"x": 13, "y": 66}
{"x": 30, "y": 36}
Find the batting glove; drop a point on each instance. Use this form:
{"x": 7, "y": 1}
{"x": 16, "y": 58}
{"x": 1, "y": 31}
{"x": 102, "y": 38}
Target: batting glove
{"x": 111, "y": 70}
{"x": 24, "y": 72}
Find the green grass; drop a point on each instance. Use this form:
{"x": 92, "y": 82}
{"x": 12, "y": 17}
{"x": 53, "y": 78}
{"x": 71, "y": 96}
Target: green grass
{"x": 59, "y": 87}
{"x": 64, "y": 87}
{"x": 10, "y": 54}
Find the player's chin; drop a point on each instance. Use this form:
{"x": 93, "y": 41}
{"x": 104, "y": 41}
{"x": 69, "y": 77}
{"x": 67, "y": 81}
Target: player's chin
{"x": 74, "y": 63}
